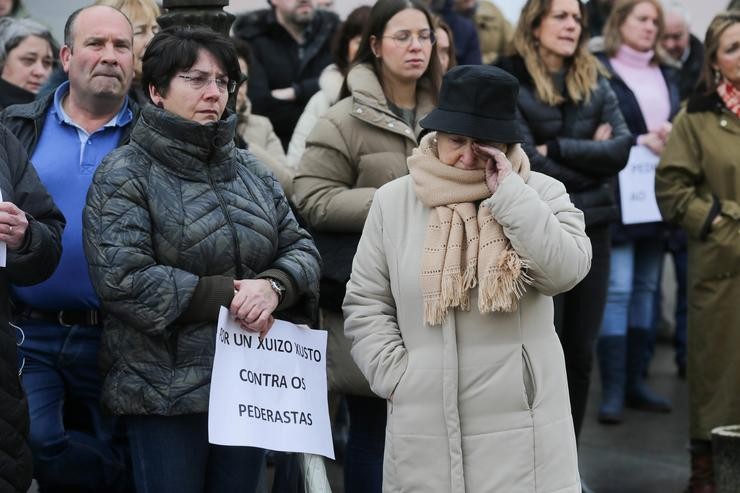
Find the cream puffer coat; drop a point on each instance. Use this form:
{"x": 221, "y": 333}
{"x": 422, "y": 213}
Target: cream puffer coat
{"x": 479, "y": 404}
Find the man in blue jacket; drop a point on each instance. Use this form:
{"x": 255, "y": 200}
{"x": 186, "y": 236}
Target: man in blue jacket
{"x": 67, "y": 134}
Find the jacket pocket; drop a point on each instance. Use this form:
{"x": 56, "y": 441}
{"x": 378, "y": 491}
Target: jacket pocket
{"x": 530, "y": 386}
{"x": 719, "y": 254}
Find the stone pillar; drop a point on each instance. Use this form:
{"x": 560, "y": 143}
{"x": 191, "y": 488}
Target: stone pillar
{"x": 197, "y": 12}
{"x": 726, "y": 458}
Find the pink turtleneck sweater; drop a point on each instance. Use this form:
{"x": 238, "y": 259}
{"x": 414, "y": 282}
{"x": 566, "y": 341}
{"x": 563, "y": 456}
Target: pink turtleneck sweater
{"x": 646, "y": 82}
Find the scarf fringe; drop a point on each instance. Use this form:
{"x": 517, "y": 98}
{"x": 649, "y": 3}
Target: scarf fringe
{"x": 498, "y": 290}
{"x": 501, "y": 288}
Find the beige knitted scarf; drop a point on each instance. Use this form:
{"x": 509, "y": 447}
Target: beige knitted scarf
{"x": 464, "y": 247}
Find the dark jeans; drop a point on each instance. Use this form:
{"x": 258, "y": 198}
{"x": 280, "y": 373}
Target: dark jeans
{"x": 363, "y": 462}
{"x": 578, "y": 315}
{"x": 171, "y": 454}
{"x": 62, "y": 363}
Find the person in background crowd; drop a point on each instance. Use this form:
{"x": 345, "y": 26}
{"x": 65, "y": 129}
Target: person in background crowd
{"x": 66, "y": 134}
{"x": 597, "y": 12}
{"x": 684, "y": 49}
{"x": 494, "y": 30}
{"x": 290, "y": 42}
{"x": 469, "y": 374}
{"x": 687, "y": 53}
{"x": 143, "y": 16}
{"x": 648, "y": 97}
{"x": 444, "y": 45}
{"x": 573, "y": 131}
{"x": 12, "y": 8}
{"x": 467, "y": 46}
{"x": 163, "y": 262}
{"x": 697, "y": 186}
{"x": 344, "y": 48}
{"x": 255, "y": 132}
{"x": 325, "y": 4}
{"x": 31, "y": 228}
{"x": 360, "y": 144}
{"x": 28, "y": 53}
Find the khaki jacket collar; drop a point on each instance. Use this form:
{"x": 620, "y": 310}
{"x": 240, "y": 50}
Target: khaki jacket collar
{"x": 370, "y": 105}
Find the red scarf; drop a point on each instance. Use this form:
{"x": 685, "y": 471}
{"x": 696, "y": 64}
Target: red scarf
{"x": 730, "y": 96}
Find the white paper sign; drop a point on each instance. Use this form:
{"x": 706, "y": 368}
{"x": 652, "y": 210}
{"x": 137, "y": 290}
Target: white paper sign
{"x": 637, "y": 187}
{"x": 270, "y": 393}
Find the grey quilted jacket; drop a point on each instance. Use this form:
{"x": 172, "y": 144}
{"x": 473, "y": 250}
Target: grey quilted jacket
{"x": 171, "y": 218}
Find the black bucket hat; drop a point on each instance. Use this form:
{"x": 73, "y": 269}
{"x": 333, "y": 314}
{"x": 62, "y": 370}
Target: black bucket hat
{"x": 477, "y": 101}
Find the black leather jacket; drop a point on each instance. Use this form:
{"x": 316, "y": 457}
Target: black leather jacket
{"x": 585, "y": 166}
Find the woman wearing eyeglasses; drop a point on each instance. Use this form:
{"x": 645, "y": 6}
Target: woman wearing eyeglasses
{"x": 179, "y": 223}
{"x": 360, "y": 144}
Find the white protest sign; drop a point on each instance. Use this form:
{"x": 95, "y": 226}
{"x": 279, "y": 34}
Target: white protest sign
{"x": 637, "y": 187}
{"x": 270, "y": 393}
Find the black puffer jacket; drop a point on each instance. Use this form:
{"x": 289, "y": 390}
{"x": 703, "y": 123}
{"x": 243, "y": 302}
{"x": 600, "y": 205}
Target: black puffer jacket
{"x": 34, "y": 262}
{"x": 171, "y": 218}
{"x": 279, "y": 62}
{"x": 585, "y": 166}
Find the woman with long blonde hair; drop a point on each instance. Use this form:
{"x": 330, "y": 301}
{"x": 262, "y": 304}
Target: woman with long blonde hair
{"x": 573, "y": 131}
{"x": 648, "y": 96}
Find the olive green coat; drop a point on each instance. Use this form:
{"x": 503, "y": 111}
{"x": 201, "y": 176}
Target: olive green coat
{"x": 697, "y": 179}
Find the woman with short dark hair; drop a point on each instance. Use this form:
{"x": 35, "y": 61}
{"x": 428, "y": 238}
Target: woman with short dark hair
{"x": 179, "y": 223}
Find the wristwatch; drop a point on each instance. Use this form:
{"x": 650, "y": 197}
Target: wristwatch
{"x": 276, "y": 286}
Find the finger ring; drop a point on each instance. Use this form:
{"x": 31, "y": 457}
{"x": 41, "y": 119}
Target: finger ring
{"x": 10, "y": 229}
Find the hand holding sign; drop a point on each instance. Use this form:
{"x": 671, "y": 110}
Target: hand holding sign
{"x": 253, "y": 304}
{"x": 270, "y": 392}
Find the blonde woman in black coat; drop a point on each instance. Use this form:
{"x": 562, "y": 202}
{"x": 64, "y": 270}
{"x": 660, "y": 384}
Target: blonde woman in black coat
{"x": 573, "y": 131}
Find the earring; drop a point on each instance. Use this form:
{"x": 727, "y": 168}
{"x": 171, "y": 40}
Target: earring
{"x": 717, "y": 77}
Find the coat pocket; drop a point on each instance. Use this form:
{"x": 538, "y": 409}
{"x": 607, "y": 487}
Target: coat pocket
{"x": 719, "y": 256}
{"x": 530, "y": 386}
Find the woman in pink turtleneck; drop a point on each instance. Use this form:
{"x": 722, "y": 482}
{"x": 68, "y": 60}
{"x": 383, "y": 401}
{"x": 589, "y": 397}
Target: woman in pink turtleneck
{"x": 648, "y": 98}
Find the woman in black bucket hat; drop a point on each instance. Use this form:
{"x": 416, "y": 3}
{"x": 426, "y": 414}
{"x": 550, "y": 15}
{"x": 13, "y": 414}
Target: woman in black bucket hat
{"x": 449, "y": 306}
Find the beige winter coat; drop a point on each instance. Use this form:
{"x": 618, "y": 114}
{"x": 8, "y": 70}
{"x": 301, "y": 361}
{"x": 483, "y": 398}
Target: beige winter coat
{"x": 356, "y": 147}
{"x": 257, "y": 131}
{"x": 330, "y": 84}
{"x": 479, "y": 404}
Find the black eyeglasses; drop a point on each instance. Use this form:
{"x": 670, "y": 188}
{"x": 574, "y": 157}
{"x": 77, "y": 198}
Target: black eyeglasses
{"x": 198, "y": 82}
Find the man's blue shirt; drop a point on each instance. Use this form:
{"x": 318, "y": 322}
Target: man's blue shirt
{"x": 66, "y": 158}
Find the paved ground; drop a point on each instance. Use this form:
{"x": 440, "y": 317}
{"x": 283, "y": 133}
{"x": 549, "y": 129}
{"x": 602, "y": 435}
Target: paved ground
{"x": 648, "y": 452}
{"x": 645, "y": 454}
